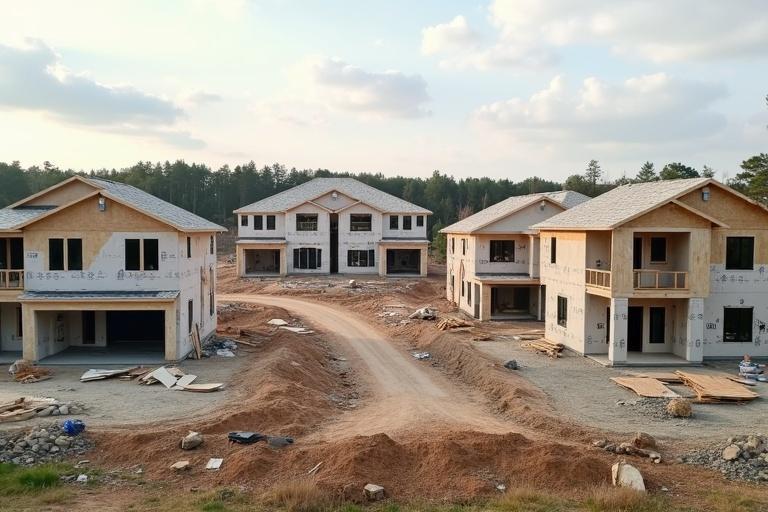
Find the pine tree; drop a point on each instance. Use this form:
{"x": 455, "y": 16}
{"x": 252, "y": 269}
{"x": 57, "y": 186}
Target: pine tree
{"x": 592, "y": 175}
{"x": 647, "y": 173}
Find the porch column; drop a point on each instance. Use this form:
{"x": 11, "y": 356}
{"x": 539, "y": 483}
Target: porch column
{"x": 284, "y": 261}
{"x": 485, "y": 302}
{"x": 173, "y": 342}
{"x": 29, "y": 331}
{"x": 240, "y": 260}
{"x": 617, "y": 348}
{"x": 542, "y": 298}
{"x": 694, "y": 346}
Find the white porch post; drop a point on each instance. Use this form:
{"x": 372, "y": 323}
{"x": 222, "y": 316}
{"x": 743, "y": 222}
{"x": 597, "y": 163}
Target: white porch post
{"x": 617, "y": 348}
{"x": 694, "y": 346}
{"x": 542, "y": 298}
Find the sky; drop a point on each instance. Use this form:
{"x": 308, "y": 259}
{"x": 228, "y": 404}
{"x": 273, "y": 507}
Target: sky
{"x": 503, "y": 89}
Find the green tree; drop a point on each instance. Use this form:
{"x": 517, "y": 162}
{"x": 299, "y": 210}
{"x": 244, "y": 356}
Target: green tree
{"x": 647, "y": 173}
{"x": 438, "y": 243}
{"x": 676, "y": 170}
{"x": 592, "y": 175}
{"x": 707, "y": 172}
{"x": 753, "y": 180}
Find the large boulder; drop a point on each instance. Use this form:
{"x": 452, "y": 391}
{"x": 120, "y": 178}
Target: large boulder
{"x": 643, "y": 440}
{"x": 191, "y": 440}
{"x": 626, "y": 475}
{"x": 731, "y": 452}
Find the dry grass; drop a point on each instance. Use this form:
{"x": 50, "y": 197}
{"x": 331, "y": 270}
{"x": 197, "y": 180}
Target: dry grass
{"x": 622, "y": 499}
{"x": 297, "y": 496}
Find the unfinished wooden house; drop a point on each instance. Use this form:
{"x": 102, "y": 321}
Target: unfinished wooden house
{"x": 93, "y": 270}
{"x": 659, "y": 272}
{"x": 493, "y": 257}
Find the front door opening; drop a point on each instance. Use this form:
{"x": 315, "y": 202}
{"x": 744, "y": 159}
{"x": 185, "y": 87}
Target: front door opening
{"x": 403, "y": 261}
{"x": 262, "y": 261}
{"x": 334, "y": 217}
{"x": 637, "y": 253}
{"x": 635, "y": 329}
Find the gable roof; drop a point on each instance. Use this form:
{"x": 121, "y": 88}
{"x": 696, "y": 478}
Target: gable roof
{"x": 625, "y": 203}
{"x": 318, "y": 187}
{"x": 17, "y": 215}
{"x": 565, "y": 199}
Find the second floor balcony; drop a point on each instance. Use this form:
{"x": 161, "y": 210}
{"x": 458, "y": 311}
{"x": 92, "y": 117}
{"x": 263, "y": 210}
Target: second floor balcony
{"x": 642, "y": 279}
{"x": 11, "y": 263}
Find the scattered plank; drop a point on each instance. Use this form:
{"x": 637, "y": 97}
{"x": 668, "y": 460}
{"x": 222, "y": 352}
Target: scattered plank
{"x": 204, "y": 388}
{"x": 248, "y": 343}
{"x": 98, "y": 374}
{"x": 449, "y": 322}
{"x": 645, "y": 387}
{"x": 543, "y": 346}
{"x": 163, "y": 375}
{"x": 196, "y": 343}
{"x": 314, "y": 469}
{"x": 186, "y": 380}
{"x": 716, "y": 388}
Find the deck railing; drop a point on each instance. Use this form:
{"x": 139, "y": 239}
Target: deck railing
{"x": 598, "y": 278}
{"x": 11, "y": 279}
{"x": 660, "y": 279}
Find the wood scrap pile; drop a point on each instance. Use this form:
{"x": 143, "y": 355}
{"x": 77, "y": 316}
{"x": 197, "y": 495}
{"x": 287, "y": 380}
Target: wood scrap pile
{"x": 23, "y": 408}
{"x": 449, "y": 322}
{"x": 171, "y": 377}
{"x": 716, "y": 388}
{"x": 32, "y": 374}
{"x": 543, "y": 346}
{"x": 646, "y": 387}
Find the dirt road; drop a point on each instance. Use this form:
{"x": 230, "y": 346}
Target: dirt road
{"x": 407, "y": 395}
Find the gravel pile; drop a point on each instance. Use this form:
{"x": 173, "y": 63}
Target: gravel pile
{"x": 41, "y": 444}
{"x": 58, "y": 409}
{"x": 651, "y": 407}
{"x": 739, "y": 458}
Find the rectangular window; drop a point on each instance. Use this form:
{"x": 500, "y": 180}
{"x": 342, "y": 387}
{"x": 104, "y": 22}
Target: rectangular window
{"x": 658, "y": 321}
{"x": 55, "y": 254}
{"x": 453, "y": 245}
{"x": 658, "y": 249}
{"x": 19, "y": 323}
{"x": 189, "y": 248}
{"x": 420, "y": 220}
{"x": 360, "y": 222}
{"x": 152, "y": 253}
{"x": 463, "y": 246}
{"x": 210, "y": 248}
{"x": 270, "y": 222}
{"x": 306, "y": 222}
{"x": 562, "y": 311}
{"x": 190, "y": 314}
{"x": 211, "y": 293}
{"x": 307, "y": 258}
{"x": 553, "y": 251}
{"x": 462, "y": 288}
{"x": 407, "y": 220}
{"x": 17, "y": 253}
{"x": 132, "y": 254}
{"x": 503, "y": 251}
{"x": 469, "y": 293}
{"x": 394, "y": 222}
{"x": 739, "y": 253}
{"x": 243, "y": 220}
{"x": 737, "y": 325}
{"x": 258, "y": 222}
{"x": 74, "y": 254}
{"x": 357, "y": 258}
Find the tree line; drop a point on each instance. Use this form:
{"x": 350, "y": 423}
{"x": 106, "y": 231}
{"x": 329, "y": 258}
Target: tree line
{"x": 214, "y": 194}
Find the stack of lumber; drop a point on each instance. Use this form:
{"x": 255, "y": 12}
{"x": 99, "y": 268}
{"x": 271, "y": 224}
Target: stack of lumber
{"x": 646, "y": 387}
{"x": 543, "y": 346}
{"x": 450, "y": 322}
{"x": 716, "y": 388}
{"x": 30, "y": 374}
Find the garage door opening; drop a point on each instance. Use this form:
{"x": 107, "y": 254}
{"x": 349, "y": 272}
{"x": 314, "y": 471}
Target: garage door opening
{"x": 514, "y": 302}
{"x": 262, "y": 261}
{"x": 404, "y": 261}
{"x": 136, "y": 330}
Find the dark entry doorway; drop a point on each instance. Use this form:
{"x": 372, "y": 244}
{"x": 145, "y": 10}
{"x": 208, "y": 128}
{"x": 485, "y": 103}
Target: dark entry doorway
{"x": 334, "y": 217}
{"x": 637, "y": 253}
{"x": 477, "y": 300}
{"x": 403, "y": 261}
{"x": 144, "y": 328}
{"x": 635, "y": 329}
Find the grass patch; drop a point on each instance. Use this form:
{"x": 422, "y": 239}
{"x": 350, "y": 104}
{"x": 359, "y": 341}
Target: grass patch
{"x": 622, "y": 499}
{"x": 16, "y": 479}
{"x": 298, "y": 496}
{"x": 735, "y": 502}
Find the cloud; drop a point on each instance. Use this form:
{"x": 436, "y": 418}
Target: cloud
{"x": 530, "y": 32}
{"x": 32, "y": 78}
{"x": 647, "y": 109}
{"x": 346, "y": 87}
{"x": 453, "y": 35}
{"x": 200, "y": 98}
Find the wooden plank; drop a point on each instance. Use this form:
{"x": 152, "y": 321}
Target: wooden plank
{"x": 668, "y": 377}
{"x": 645, "y": 387}
{"x": 204, "y": 388}
{"x": 196, "y": 343}
{"x": 716, "y": 388}
{"x": 164, "y": 376}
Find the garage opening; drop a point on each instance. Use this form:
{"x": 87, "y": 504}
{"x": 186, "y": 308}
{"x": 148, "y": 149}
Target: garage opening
{"x": 514, "y": 302}
{"x": 262, "y": 261}
{"x": 403, "y": 261}
{"x": 131, "y": 330}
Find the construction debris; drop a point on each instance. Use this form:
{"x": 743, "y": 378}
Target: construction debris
{"x": 25, "y": 372}
{"x": 716, "y": 388}
{"x": 41, "y": 444}
{"x": 245, "y": 437}
{"x": 96, "y": 374}
{"x": 278, "y": 322}
{"x": 626, "y": 475}
{"x": 511, "y": 365}
{"x": 449, "y": 322}
{"x": 421, "y": 356}
{"x": 667, "y": 377}
{"x": 297, "y": 330}
{"x": 373, "y": 492}
{"x": 425, "y": 313}
{"x": 191, "y": 440}
{"x": 646, "y": 387}
{"x": 543, "y": 346}
{"x": 279, "y": 441}
{"x": 214, "y": 464}
{"x": 181, "y": 465}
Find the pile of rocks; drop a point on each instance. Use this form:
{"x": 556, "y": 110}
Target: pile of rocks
{"x": 656, "y": 408}
{"x": 41, "y": 444}
{"x": 59, "y": 409}
{"x": 642, "y": 445}
{"x": 740, "y": 458}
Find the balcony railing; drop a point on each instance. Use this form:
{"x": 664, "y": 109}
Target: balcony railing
{"x": 660, "y": 279}
{"x": 11, "y": 279}
{"x": 598, "y": 278}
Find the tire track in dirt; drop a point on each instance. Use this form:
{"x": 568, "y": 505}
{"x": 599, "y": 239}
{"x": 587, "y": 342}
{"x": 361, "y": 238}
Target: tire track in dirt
{"x": 405, "y": 395}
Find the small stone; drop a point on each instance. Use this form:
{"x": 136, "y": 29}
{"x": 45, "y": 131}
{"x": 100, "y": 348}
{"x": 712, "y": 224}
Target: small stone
{"x": 182, "y": 465}
{"x": 191, "y": 440}
{"x": 64, "y": 410}
{"x": 600, "y": 443}
{"x": 731, "y": 452}
{"x": 680, "y": 408}
{"x": 83, "y": 478}
{"x": 643, "y": 440}
{"x": 55, "y": 449}
{"x": 44, "y": 412}
{"x": 62, "y": 441}
{"x": 55, "y": 412}
{"x": 29, "y": 460}
{"x": 373, "y": 492}
{"x": 511, "y": 365}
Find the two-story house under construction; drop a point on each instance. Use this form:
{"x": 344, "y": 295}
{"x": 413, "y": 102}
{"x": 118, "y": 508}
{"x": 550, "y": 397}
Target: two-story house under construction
{"x": 98, "y": 269}
{"x": 329, "y": 226}
{"x": 652, "y": 271}
{"x": 493, "y": 257}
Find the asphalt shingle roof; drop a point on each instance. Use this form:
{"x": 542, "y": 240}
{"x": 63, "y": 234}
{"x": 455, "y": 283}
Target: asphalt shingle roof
{"x": 621, "y": 204}
{"x": 500, "y": 210}
{"x": 317, "y": 187}
{"x": 12, "y": 217}
{"x": 154, "y": 206}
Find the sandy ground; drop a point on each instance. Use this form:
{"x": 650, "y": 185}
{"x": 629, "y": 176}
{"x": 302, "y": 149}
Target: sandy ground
{"x": 582, "y": 389}
{"x": 113, "y": 401}
{"x": 406, "y": 394}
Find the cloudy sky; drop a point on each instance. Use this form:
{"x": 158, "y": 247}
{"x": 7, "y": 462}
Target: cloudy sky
{"x": 507, "y": 88}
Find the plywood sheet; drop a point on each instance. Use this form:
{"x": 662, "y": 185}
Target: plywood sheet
{"x": 645, "y": 387}
{"x": 716, "y": 388}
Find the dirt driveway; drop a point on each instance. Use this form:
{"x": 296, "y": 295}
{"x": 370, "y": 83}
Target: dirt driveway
{"x": 406, "y": 394}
